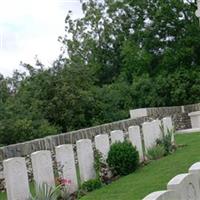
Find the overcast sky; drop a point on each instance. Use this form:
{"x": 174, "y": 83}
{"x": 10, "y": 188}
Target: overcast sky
{"x": 32, "y": 27}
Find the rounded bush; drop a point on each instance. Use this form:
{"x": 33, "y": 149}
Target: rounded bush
{"x": 123, "y": 158}
{"x": 91, "y": 185}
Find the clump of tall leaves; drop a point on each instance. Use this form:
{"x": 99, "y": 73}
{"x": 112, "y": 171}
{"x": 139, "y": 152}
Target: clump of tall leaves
{"x": 46, "y": 192}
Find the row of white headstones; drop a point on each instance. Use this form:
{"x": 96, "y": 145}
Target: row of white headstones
{"x": 15, "y": 171}
{"x": 182, "y": 187}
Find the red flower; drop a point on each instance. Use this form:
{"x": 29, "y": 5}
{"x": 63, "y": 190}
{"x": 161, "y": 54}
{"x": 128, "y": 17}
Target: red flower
{"x": 65, "y": 181}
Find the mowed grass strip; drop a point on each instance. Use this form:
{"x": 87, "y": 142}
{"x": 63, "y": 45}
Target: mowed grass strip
{"x": 154, "y": 176}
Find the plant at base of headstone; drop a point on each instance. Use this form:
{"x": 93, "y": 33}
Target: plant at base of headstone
{"x": 46, "y": 192}
{"x": 123, "y": 158}
{"x": 63, "y": 183}
{"x": 64, "y": 190}
{"x": 156, "y": 152}
{"x": 102, "y": 169}
{"x": 168, "y": 142}
{"x": 91, "y": 185}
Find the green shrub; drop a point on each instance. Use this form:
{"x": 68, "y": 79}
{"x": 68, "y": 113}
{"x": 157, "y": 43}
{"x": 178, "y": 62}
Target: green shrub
{"x": 167, "y": 143}
{"x": 123, "y": 158}
{"x": 156, "y": 152}
{"x": 102, "y": 169}
{"x": 91, "y": 185}
{"x": 46, "y": 192}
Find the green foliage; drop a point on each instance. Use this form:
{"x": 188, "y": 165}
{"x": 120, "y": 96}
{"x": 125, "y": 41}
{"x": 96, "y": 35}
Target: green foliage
{"x": 121, "y": 55}
{"x": 123, "y": 158}
{"x": 45, "y": 192}
{"x": 91, "y": 185}
{"x": 97, "y": 162}
{"x": 167, "y": 143}
{"x": 18, "y": 130}
{"x": 163, "y": 147}
{"x": 156, "y": 152}
{"x": 102, "y": 169}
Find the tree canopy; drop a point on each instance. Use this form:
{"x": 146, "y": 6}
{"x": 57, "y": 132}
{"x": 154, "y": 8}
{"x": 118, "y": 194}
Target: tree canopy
{"x": 121, "y": 55}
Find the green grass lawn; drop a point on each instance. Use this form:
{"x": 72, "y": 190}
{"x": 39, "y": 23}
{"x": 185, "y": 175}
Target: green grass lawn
{"x": 151, "y": 177}
{"x": 154, "y": 176}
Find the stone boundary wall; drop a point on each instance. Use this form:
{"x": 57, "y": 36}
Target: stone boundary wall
{"x": 179, "y": 115}
{"x": 48, "y": 143}
{"x": 159, "y": 112}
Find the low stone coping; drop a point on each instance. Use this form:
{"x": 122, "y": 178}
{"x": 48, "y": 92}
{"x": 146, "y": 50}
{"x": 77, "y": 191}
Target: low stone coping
{"x": 136, "y": 113}
{"x": 191, "y": 130}
{"x": 194, "y": 113}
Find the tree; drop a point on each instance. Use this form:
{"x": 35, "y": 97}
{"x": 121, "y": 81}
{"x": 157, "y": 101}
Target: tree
{"x": 121, "y": 55}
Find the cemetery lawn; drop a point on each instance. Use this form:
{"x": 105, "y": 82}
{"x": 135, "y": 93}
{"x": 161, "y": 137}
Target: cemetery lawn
{"x": 155, "y": 175}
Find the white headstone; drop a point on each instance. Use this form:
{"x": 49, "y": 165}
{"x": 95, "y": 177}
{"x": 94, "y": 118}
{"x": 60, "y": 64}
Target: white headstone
{"x": 136, "y": 140}
{"x": 163, "y": 195}
{"x": 148, "y": 134}
{"x": 102, "y": 144}
{"x": 195, "y": 119}
{"x": 66, "y": 165}
{"x": 156, "y": 128}
{"x": 195, "y": 169}
{"x": 187, "y": 185}
{"x": 42, "y": 168}
{"x": 167, "y": 125}
{"x": 117, "y": 136}
{"x": 16, "y": 179}
{"x": 85, "y": 159}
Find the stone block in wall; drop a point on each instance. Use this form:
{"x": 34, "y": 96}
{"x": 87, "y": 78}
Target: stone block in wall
{"x": 9, "y": 151}
{"x": 161, "y": 112}
{"x": 67, "y": 138}
{"x": 192, "y": 108}
{"x": 26, "y": 149}
{"x": 35, "y": 145}
{"x": 181, "y": 121}
{"x": 1, "y": 154}
{"x": 48, "y": 143}
{"x": 61, "y": 139}
{"x": 136, "y": 113}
